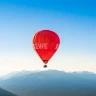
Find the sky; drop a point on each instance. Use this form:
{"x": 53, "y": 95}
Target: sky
{"x": 73, "y": 20}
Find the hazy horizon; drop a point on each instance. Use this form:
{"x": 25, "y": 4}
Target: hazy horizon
{"x": 13, "y": 73}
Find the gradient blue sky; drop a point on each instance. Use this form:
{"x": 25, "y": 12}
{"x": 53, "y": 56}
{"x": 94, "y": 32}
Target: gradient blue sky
{"x": 73, "y": 20}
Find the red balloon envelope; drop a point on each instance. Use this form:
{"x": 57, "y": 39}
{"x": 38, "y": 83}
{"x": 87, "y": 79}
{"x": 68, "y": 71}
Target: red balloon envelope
{"x": 45, "y": 43}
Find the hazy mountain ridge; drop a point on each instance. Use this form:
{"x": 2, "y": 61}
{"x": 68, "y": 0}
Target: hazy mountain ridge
{"x": 24, "y": 72}
{"x": 16, "y": 74}
{"x": 51, "y": 83}
{"x": 6, "y": 93}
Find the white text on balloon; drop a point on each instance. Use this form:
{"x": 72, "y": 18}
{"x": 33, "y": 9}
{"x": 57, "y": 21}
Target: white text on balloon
{"x": 40, "y": 46}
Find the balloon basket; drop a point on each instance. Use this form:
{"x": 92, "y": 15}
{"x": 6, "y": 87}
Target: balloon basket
{"x": 45, "y": 66}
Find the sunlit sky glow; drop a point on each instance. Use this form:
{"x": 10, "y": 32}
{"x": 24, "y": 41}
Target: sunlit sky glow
{"x": 73, "y": 20}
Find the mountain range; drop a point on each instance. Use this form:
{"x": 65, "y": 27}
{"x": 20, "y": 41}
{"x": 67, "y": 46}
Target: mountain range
{"x": 50, "y": 83}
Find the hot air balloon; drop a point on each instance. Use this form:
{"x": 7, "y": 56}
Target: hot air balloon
{"x": 45, "y": 43}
